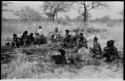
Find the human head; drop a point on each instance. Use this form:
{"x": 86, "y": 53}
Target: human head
{"x": 95, "y": 39}
{"x": 26, "y": 32}
{"x": 67, "y": 31}
{"x": 110, "y": 43}
{"x": 62, "y": 52}
{"x": 40, "y": 27}
{"x": 14, "y": 35}
{"x": 31, "y": 34}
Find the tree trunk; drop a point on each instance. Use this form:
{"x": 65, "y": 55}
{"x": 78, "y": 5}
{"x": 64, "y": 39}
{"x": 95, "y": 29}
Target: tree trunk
{"x": 85, "y": 18}
{"x": 85, "y": 14}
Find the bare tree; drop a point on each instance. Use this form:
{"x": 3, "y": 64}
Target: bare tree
{"x": 52, "y": 8}
{"x": 84, "y": 8}
{"x": 27, "y": 14}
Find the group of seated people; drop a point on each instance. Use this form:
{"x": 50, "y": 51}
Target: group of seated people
{"x": 68, "y": 41}
{"x": 78, "y": 40}
{"x": 26, "y": 40}
{"x": 110, "y": 52}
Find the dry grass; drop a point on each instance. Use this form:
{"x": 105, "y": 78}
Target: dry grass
{"x": 35, "y": 63}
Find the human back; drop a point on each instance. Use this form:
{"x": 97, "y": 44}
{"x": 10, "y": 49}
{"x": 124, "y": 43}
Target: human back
{"x": 40, "y": 31}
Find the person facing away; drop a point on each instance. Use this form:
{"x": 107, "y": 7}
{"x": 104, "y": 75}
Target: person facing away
{"x": 60, "y": 59}
{"x": 40, "y": 31}
{"x": 110, "y": 52}
{"x": 96, "y": 50}
{"x": 31, "y": 39}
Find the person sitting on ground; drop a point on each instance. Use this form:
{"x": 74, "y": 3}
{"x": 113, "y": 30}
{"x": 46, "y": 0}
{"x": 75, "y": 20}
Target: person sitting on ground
{"x": 110, "y": 52}
{"x": 15, "y": 41}
{"x": 31, "y": 39}
{"x": 55, "y": 35}
{"x": 75, "y": 38}
{"x": 82, "y": 42}
{"x": 60, "y": 59}
{"x": 96, "y": 50}
{"x": 25, "y": 38}
{"x": 67, "y": 41}
{"x": 40, "y": 31}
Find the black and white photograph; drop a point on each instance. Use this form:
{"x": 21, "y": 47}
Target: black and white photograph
{"x": 62, "y": 40}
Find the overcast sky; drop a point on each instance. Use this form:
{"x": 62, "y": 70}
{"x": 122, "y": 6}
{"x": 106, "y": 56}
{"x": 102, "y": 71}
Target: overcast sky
{"x": 113, "y": 12}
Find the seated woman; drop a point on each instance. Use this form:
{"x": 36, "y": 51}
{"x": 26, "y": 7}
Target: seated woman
{"x": 96, "y": 50}
{"x": 81, "y": 42}
{"x": 110, "y": 52}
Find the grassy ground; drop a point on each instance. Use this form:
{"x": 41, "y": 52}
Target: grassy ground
{"x": 34, "y": 62}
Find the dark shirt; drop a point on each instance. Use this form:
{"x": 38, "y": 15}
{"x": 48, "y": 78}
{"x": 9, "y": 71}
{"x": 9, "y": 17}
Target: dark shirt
{"x": 67, "y": 39}
{"x": 59, "y": 59}
{"x": 110, "y": 51}
{"x": 82, "y": 42}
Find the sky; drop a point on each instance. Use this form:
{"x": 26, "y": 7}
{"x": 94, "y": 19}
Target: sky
{"x": 113, "y": 12}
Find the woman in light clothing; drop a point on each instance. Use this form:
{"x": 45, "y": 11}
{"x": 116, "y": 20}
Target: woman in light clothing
{"x": 40, "y": 31}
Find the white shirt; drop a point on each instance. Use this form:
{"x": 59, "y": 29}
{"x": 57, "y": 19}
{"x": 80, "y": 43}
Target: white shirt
{"x": 40, "y": 31}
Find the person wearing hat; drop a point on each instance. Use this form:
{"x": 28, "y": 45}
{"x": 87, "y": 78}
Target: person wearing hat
{"x": 96, "y": 50}
{"x": 110, "y": 52}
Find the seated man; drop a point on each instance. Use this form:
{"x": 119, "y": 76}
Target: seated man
{"x": 82, "y": 42}
{"x": 67, "y": 41}
{"x": 96, "y": 50}
{"x": 60, "y": 59}
{"x": 110, "y": 52}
